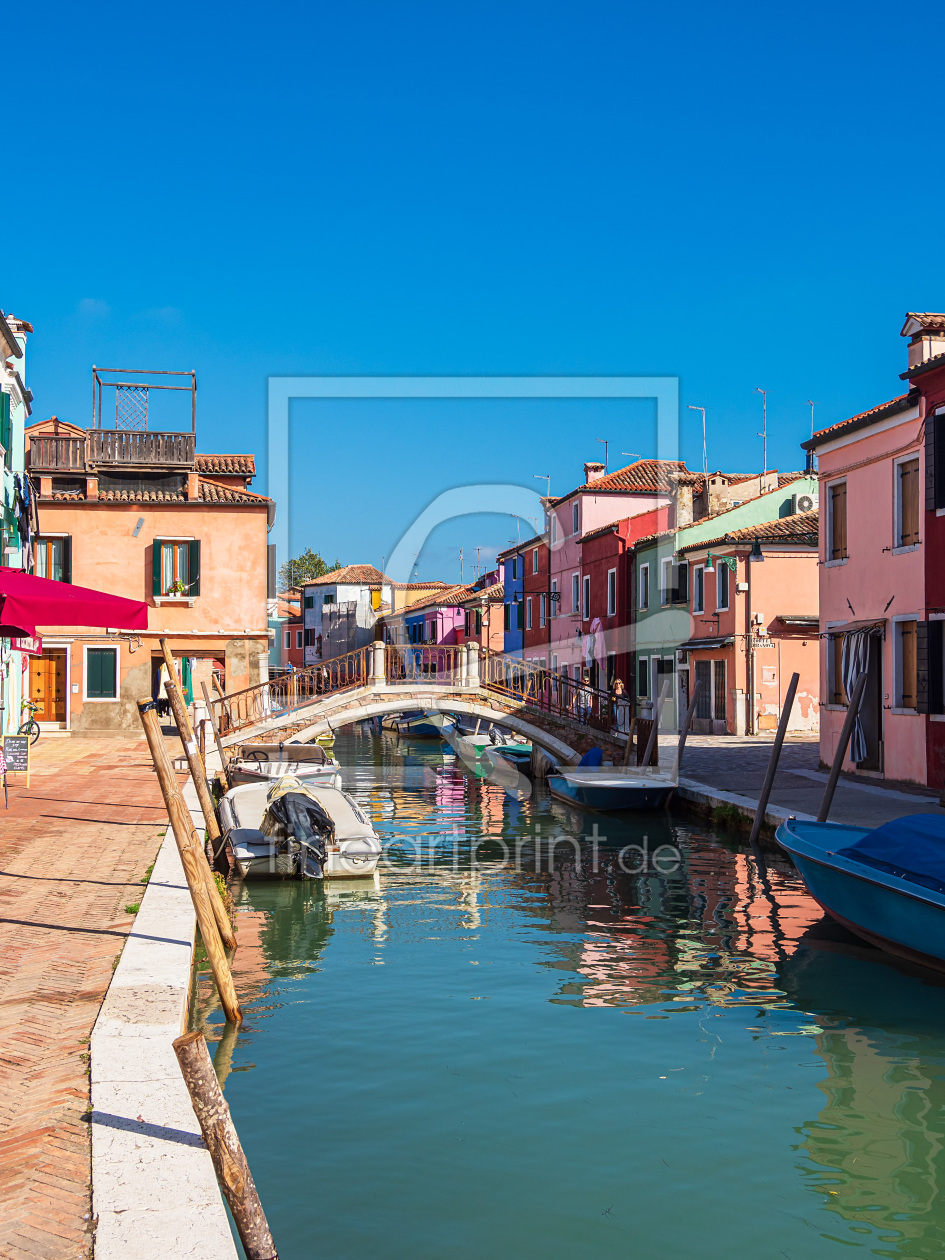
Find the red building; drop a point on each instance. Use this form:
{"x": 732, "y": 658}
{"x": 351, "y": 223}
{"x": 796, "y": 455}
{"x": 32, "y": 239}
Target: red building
{"x": 538, "y": 607}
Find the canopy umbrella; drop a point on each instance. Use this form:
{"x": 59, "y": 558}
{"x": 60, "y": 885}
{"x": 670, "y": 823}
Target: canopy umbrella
{"x": 27, "y": 601}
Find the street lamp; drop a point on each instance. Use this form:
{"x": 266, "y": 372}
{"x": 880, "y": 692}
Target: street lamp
{"x": 705, "y": 462}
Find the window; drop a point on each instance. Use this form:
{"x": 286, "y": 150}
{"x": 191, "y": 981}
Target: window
{"x": 175, "y": 568}
{"x": 288, "y": 639}
{"x": 643, "y": 677}
{"x": 611, "y": 592}
{"x": 907, "y": 503}
{"x": 309, "y": 601}
{"x": 722, "y": 577}
{"x": 507, "y": 624}
{"x": 54, "y": 558}
{"x": 328, "y": 599}
{"x": 554, "y": 592}
{"x": 905, "y": 663}
{"x": 554, "y": 662}
{"x": 586, "y": 610}
{"x": 643, "y": 587}
{"x": 101, "y": 673}
{"x": 575, "y": 518}
{"x": 535, "y": 560}
{"x": 935, "y": 460}
{"x": 478, "y": 621}
{"x": 675, "y": 583}
{"x": 698, "y": 589}
{"x": 835, "y": 692}
{"x": 514, "y": 568}
{"x": 6, "y": 440}
{"x": 310, "y": 637}
{"x": 575, "y": 592}
{"x": 542, "y": 609}
{"x": 528, "y": 613}
{"x": 554, "y": 528}
{"x": 298, "y": 638}
{"x": 837, "y": 521}
{"x": 611, "y": 670}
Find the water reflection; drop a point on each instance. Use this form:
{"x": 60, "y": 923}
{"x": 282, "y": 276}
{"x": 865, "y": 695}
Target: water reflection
{"x": 838, "y": 1048}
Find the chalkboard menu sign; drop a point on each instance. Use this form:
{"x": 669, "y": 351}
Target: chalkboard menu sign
{"x": 16, "y": 753}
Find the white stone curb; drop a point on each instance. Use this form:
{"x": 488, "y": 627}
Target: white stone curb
{"x": 153, "y": 1186}
{"x": 703, "y": 794}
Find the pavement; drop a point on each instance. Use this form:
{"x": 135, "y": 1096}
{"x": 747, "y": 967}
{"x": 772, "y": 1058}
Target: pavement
{"x": 732, "y": 763}
{"x": 74, "y": 847}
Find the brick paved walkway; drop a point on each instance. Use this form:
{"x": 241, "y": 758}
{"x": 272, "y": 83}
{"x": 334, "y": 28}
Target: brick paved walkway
{"x": 73, "y": 849}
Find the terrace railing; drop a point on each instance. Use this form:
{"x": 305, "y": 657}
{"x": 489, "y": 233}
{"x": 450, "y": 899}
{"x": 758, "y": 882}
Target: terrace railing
{"x": 143, "y": 450}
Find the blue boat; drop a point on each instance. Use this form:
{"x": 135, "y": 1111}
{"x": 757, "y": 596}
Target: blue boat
{"x": 593, "y": 785}
{"x": 886, "y": 884}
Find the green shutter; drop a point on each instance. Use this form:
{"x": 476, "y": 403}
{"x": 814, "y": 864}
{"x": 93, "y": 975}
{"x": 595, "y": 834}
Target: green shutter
{"x": 5, "y": 439}
{"x": 157, "y": 548}
{"x": 100, "y": 673}
{"x": 67, "y": 559}
{"x": 193, "y": 577}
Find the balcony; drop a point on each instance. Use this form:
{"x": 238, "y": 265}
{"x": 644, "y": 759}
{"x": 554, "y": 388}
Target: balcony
{"x": 111, "y": 448}
{"x": 108, "y": 447}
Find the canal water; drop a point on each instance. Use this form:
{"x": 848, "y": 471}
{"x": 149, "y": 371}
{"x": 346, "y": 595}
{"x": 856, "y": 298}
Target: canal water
{"x": 528, "y": 1038}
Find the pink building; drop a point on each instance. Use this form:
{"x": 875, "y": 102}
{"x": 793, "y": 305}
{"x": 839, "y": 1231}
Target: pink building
{"x": 602, "y": 499}
{"x": 872, "y": 585}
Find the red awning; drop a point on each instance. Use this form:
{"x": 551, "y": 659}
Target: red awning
{"x": 29, "y": 601}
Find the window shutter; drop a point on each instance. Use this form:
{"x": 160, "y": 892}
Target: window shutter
{"x": 193, "y": 577}
{"x": 935, "y": 462}
{"x": 157, "y": 548}
{"x": 682, "y": 577}
{"x": 67, "y": 559}
{"x": 93, "y": 679}
{"x": 922, "y": 666}
{"x": 935, "y": 649}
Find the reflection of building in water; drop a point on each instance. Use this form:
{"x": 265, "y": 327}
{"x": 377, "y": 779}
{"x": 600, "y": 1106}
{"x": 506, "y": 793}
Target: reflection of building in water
{"x": 878, "y": 1142}
{"x": 709, "y": 930}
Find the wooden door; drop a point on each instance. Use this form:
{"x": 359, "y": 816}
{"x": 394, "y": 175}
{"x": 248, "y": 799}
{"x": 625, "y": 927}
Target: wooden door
{"x": 48, "y": 686}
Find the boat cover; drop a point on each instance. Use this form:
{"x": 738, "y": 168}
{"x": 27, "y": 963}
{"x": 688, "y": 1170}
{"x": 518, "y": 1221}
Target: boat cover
{"x": 911, "y": 848}
{"x": 593, "y": 757}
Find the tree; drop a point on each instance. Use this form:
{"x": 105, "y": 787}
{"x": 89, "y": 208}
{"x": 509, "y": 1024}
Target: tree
{"x": 303, "y": 568}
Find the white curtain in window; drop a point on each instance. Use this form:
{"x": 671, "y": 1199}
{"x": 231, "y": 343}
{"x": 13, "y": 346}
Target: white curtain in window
{"x": 167, "y": 567}
{"x": 854, "y": 661}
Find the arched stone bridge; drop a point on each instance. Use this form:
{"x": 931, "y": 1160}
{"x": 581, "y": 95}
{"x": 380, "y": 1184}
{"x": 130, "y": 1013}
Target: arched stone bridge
{"x": 384, "y": 679}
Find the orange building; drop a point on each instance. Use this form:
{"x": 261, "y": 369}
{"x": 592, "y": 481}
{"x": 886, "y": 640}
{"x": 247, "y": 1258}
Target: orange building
{"x": 142, "y": 514}
{"x": 754, "y": 622}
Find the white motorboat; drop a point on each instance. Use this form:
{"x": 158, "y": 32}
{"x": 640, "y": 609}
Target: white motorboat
{"x": 311, "y": 830}
{"x": 253, "y": 769}
{"x": 612, "y": 787}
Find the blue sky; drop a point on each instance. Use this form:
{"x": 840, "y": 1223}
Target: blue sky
{"x": 738, "y": 195}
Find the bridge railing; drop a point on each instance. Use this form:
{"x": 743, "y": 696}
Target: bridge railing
{"x": 282, "y": 695}
{"x": 555, "y": 694}
{"x": 407, "y": 663}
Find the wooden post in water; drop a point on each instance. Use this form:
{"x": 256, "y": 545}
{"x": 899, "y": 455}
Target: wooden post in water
{"x": 684, "y": 733}
{"x": 772, "y": 769}
{"x": 629, "y": 748}
{"x": 196, "y": 870}
{"x": 654, "y": 732}
{"x": 219, "y": 1133}
{"x": 216, "y": 736}
{"x": 845, "y": 732}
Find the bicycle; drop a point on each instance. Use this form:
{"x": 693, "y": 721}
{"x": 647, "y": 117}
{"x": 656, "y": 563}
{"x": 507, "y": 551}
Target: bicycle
{"x": 30, "y": 727}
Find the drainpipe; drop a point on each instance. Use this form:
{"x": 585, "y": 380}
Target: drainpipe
{"x": 749, "y": 656}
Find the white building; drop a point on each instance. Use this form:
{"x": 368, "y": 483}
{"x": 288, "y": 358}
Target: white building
{"x": 340, "y": 610}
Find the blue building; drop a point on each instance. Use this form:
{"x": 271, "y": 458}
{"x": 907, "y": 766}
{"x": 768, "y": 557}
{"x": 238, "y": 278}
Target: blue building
{"x": 512, "y": 565}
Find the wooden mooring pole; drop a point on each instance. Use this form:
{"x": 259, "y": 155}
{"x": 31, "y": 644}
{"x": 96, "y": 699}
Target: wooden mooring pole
{"x": 845, "y": 732}
{"x": 684, "y": 733}
{"x": 198, "y": 771}
{"x": 772, "y": 770}
{"x": 196, "y": 870}
{"x": 653, "y": 742}
{"x": 223, "y": 1143}
{"x": 216, "y": 736}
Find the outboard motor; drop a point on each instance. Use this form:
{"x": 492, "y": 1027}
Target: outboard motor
{"x": 299, "y": 827}
{"x": 494, "y": 736}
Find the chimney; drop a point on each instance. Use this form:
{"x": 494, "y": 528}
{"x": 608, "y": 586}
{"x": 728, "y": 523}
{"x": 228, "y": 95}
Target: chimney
{"x": 593, "y": 472}
{"x": 926, "y": 333}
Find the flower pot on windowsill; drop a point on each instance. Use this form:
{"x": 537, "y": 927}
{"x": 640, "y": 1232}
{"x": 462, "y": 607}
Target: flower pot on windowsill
{"x": 183, "y": 600}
